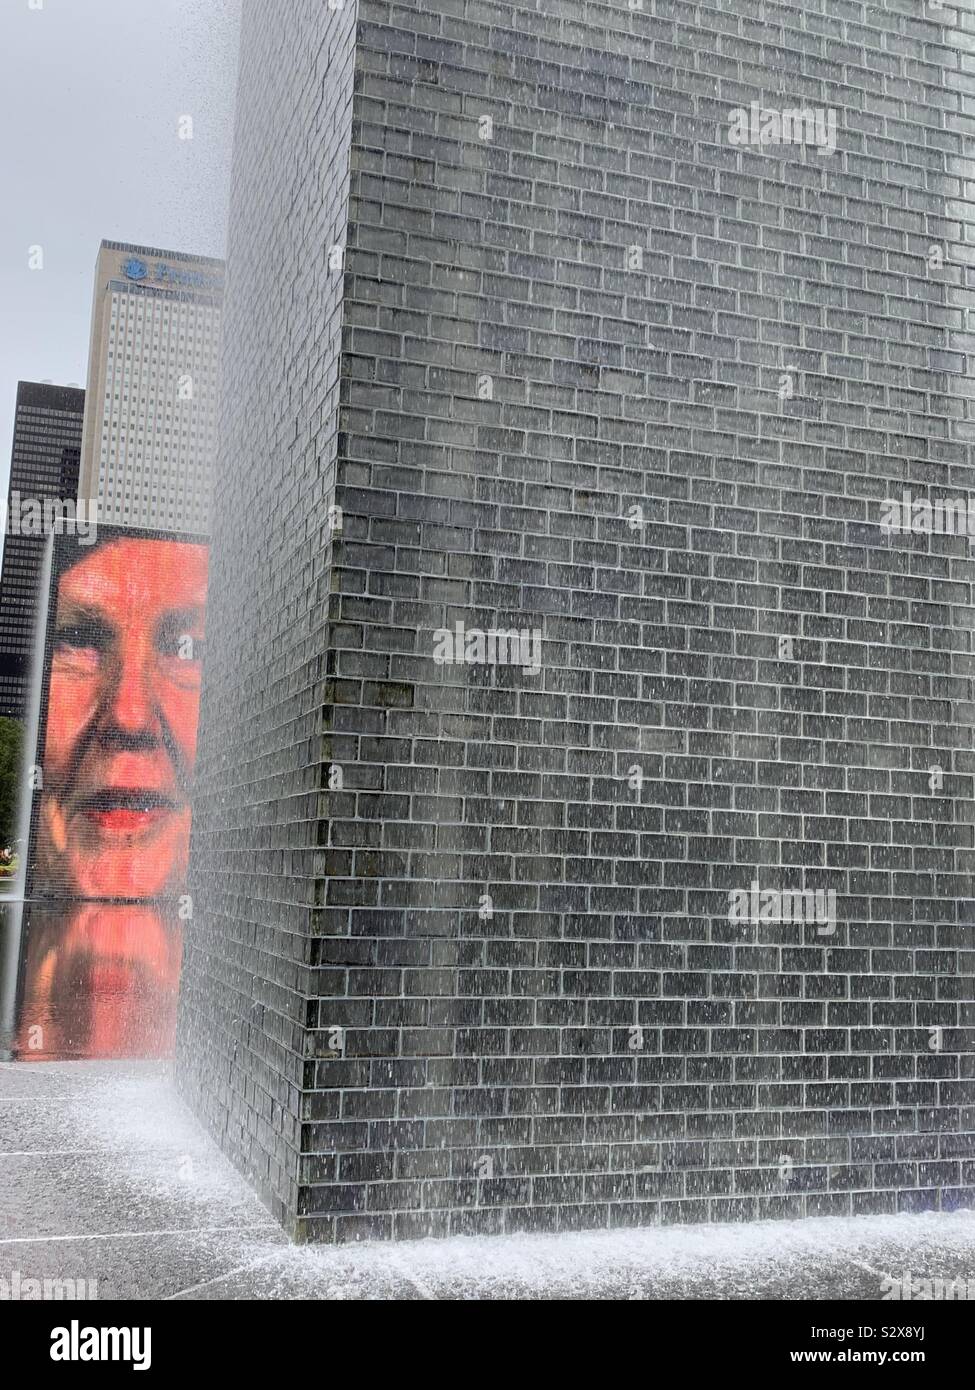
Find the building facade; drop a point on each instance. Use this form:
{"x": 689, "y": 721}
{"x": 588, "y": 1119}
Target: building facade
{"x": 150, "y": 430}
{"x": 44, "y": 466}
{"x": 583, "y": 832}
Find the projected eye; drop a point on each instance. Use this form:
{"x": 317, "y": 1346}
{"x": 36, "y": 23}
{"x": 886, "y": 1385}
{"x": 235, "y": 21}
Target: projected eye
{"x": 80, "y": 646}
{"x": 184, "y": 645}
{"x": 180, "y": 655}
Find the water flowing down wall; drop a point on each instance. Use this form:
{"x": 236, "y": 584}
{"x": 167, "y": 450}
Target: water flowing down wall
{"x": 584, "y": 825}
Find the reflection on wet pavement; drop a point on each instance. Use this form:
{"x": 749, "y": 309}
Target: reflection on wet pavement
{"x": 99, "y": 980}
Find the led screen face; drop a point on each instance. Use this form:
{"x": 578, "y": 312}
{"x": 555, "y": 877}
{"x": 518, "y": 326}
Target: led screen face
{"x": 110, "y": 825}
{"x": 123, "y": 691}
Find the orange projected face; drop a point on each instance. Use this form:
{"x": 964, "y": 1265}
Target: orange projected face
{"x": 123, "y": 703}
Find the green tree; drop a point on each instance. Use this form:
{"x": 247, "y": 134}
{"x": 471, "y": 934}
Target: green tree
{"x": 11, "y": 741}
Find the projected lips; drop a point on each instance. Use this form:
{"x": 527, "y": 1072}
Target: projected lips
{"x": 127, "y": 812}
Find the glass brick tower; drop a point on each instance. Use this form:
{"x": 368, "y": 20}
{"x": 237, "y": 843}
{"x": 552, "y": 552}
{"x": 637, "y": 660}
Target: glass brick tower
{"x": 613, "y": 333}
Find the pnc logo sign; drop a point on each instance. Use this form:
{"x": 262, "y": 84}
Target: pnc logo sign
{"x": 173, "y": 277}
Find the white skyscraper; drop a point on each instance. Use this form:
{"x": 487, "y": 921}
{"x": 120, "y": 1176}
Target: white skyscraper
{"x": 151, "y": 404}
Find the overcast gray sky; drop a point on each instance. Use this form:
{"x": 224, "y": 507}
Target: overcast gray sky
{"x": 90, "y": 101}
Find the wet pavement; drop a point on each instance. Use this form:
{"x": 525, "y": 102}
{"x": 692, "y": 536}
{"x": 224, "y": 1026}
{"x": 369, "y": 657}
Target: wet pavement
{"x": 106, "y": 1177}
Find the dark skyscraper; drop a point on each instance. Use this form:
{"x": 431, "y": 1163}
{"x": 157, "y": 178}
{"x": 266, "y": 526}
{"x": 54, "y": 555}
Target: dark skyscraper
{"x": 44, "y": 464}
